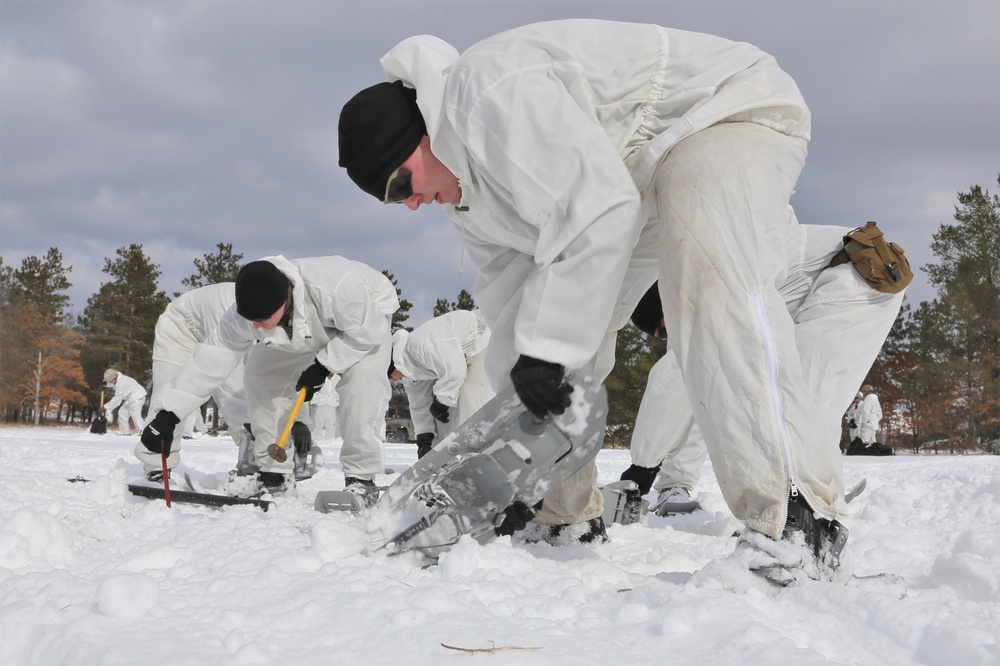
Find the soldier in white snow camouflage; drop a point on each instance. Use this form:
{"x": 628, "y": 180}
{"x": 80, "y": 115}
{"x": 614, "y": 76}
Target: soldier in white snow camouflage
{"x": 581, "y": 160}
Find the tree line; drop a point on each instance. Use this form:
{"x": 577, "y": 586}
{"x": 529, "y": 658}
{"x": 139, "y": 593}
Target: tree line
{"x": 51, "y": 362}
{"x": 938, "y": 373}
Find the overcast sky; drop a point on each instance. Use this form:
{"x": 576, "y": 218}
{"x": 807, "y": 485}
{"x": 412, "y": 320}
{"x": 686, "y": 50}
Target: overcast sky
{"x": 180, "y": 124}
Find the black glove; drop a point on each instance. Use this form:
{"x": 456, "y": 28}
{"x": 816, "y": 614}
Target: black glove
{"x": 541, "y": 386}
{"x": 439, "y": 411}
{"x": 515, "y": 518}
{"x": 159, "y": 434}
{"x": 312, "y": 379}
{"x": 301, "y": 437}
{"x": 643, "y": 477}
{"x": 851, "y": 424}
{"x": 425, "y": 441}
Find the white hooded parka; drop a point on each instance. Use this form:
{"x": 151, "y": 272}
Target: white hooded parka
{"x": 595, "y": 157}
{"x": 129, "y": 396}
{"x": 869, "y": 418}
{"x": 187, "y": 320}
{"x": 341, "y": 314}
{"x": 554, "y": 131}
{"x": 435, "y": 359}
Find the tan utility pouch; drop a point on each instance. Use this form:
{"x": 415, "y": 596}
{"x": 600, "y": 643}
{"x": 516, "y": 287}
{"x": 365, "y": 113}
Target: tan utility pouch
{"x": 882, "y": 264}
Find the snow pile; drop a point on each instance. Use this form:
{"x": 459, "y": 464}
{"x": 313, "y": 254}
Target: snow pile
{"x": 127, "y": 596}
{"x": 91, "y": 574}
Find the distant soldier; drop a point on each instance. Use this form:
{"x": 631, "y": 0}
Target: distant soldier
{"x": 852, "y": 416}
{"x": 441, "y": 363}
{"x": 868, "y": 419}
{"x": 324, "y": 409}
{"x": 129, "y": 396}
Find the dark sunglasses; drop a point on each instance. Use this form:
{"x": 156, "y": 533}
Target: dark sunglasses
{"x": 398, "y": 188}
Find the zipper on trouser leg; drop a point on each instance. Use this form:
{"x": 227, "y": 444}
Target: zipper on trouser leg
{"x": 776, "y": 403}
{"x": 777, "y": 407}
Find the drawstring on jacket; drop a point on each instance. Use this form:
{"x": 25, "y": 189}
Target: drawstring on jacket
{"x": 461, "y": 261}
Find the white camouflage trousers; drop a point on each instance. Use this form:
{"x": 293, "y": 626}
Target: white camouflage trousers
{"x": 130, "y": 411}
{"x": 665, "y": 429}
{"x": 768, "y": 380}
{"x": 364, "y": 391}
{"x": 476, "y": 391}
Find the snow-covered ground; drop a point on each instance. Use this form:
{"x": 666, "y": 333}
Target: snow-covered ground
{"x": 90, "y": 574}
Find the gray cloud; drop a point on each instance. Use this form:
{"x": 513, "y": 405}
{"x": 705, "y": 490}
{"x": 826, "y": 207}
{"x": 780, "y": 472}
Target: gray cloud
{"x": 186, "y": 123}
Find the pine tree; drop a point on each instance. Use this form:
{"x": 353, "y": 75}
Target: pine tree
{"x": 957, "y": 339}
{"x": 400, "y": 316}
{"x": 12, "y": 352}
{"x": 215, "y": 268}
{"x": 464, "y": 302}
{"x": 120, "y": 318}
{"x": 39, "y": 281}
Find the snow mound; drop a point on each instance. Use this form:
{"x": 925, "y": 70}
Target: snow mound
{"x": 127, "y": 596}
{"x": 333, "y": 540}
{"x": 34, "y": 538}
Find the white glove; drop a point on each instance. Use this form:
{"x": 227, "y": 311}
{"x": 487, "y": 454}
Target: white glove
{"x": 107, "y": 414}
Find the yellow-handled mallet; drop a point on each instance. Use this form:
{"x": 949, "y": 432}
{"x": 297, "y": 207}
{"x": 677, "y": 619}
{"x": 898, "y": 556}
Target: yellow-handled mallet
{"x": 277, "y": 450}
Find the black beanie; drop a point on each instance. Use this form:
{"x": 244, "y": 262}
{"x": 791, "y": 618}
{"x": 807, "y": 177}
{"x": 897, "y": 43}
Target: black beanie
{"x": 379, "y": 129}
{"x": 260, "y": 290}
{"x": 649, "y": 312}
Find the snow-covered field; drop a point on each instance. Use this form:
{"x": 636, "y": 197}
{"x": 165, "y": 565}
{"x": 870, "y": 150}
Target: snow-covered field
{"x": 90, "y": 574}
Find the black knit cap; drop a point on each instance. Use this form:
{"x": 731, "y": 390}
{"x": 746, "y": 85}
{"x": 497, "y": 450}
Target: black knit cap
{"x": 649, "y": 312}
{"x": 379, "y": 129}
{"x": 260, "y": 290}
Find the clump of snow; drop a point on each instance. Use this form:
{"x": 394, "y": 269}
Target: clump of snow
{"x": 333, "y": 540}
{"x": 127, "y": 596}
{"x": 32, "y": 538}
{"x": 574, "y": 420}
{"x": 970, "y": 568}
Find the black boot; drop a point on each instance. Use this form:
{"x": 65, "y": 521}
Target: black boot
{"x": 587, "y": 531}
{"x": 363, "y": 488}
{"x": 597, "y": 533}
{"x": 810, "y": 547}
{"x": 275, "y": 482}
{"x": 425, "y": 441}
{"x": 156, "y": 476}
{"x": 825, "y": 538}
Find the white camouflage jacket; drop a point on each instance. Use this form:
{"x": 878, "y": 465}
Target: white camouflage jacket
{"x": 869, "y": 413}
{"x": 189, "y": 319}
{"x": 126, "y": 390}
{"x": 434, "y": 358}
{"x": 554, "y": 131}
{"x": 341, "y": 311}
